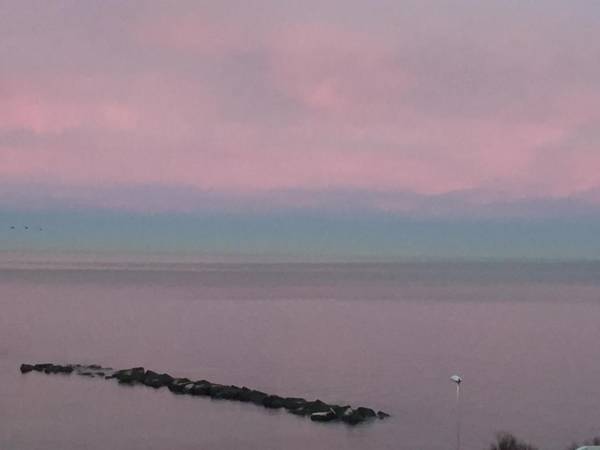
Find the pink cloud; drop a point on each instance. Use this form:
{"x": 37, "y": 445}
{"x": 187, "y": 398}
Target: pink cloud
{"x": 26, "y": 111}
{"x": 217, "y": 104}
{"x": 40, "y": 109}
{"x": 243, "y": 162}
{"x": 333, "y": 70}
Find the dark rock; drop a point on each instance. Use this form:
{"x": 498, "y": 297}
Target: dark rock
{"x": 41, "y": 367}
{"x": 187, "y": 388}
{"x": 56, "y": 368}
{"x": 300, "y": 411}
{"x": 340, "y": 410}
{"x": 325, "y": 416}
{"x": 293, "y": 402}
{"x": 317, "y": 406}
{"x": 351, "y": 417}
{"x": 156, "y": 380}
{"x": 365, "y": 412}
{"x": 212, "y": 389}
{"x": 25, "y": 368}
{"x": 244, "y": 394}
{"x": 358, "y": 415}
{"x": 201, "y": 387}
{"x": 128, "y": 376}
{"x": 273, "y": 401}
{"x": 257, "y": 397}
{"x": 178, "y": 385}
{"x": 148, "y": 374}
{"x": 309, "y": 408}
{"x": 382, "y": 415}
{"x": 225, "y": 392}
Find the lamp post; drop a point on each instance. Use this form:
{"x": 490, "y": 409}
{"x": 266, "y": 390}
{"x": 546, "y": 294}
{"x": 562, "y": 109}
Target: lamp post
{"x": 458, "y": 380}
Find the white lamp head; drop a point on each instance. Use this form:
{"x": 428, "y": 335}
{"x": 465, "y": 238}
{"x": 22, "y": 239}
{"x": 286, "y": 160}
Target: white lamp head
{"x": 456, "y": 379}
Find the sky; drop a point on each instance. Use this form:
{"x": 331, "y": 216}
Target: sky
{"x": 331, "y": 117}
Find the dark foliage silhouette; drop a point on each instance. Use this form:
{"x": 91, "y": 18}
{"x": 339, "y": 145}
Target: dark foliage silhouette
{"x": 506, "y": 441}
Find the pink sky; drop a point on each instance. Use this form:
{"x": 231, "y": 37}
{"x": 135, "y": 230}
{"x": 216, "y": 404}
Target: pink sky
{"x": 499, "y": 99}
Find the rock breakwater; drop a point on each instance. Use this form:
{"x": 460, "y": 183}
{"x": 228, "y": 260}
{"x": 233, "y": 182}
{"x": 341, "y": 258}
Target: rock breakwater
{"x": 316, "y": 410}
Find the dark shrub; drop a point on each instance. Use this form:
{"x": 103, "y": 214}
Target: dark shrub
{"x": 506, "y": 441}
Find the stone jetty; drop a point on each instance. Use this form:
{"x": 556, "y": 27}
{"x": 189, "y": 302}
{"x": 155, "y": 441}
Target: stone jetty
{"x": 317, "y": 410}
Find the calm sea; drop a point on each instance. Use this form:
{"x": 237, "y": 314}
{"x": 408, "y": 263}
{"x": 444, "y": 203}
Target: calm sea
{"x": 524, "y": 336}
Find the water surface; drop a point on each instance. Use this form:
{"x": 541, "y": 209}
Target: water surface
{"x": 523, "y": 335}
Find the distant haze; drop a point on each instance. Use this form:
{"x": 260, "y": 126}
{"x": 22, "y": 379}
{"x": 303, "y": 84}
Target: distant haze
{"x": 330, "y": 129}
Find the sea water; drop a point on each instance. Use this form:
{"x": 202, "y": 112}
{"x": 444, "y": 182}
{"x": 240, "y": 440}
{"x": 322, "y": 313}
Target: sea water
{"x": 524, "y": 336}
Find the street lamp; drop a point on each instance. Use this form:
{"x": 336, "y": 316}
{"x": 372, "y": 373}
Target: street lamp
{"x": 458, "y": 380}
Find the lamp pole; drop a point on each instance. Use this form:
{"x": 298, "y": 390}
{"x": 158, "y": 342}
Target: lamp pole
{"x": 457, "y": 380}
